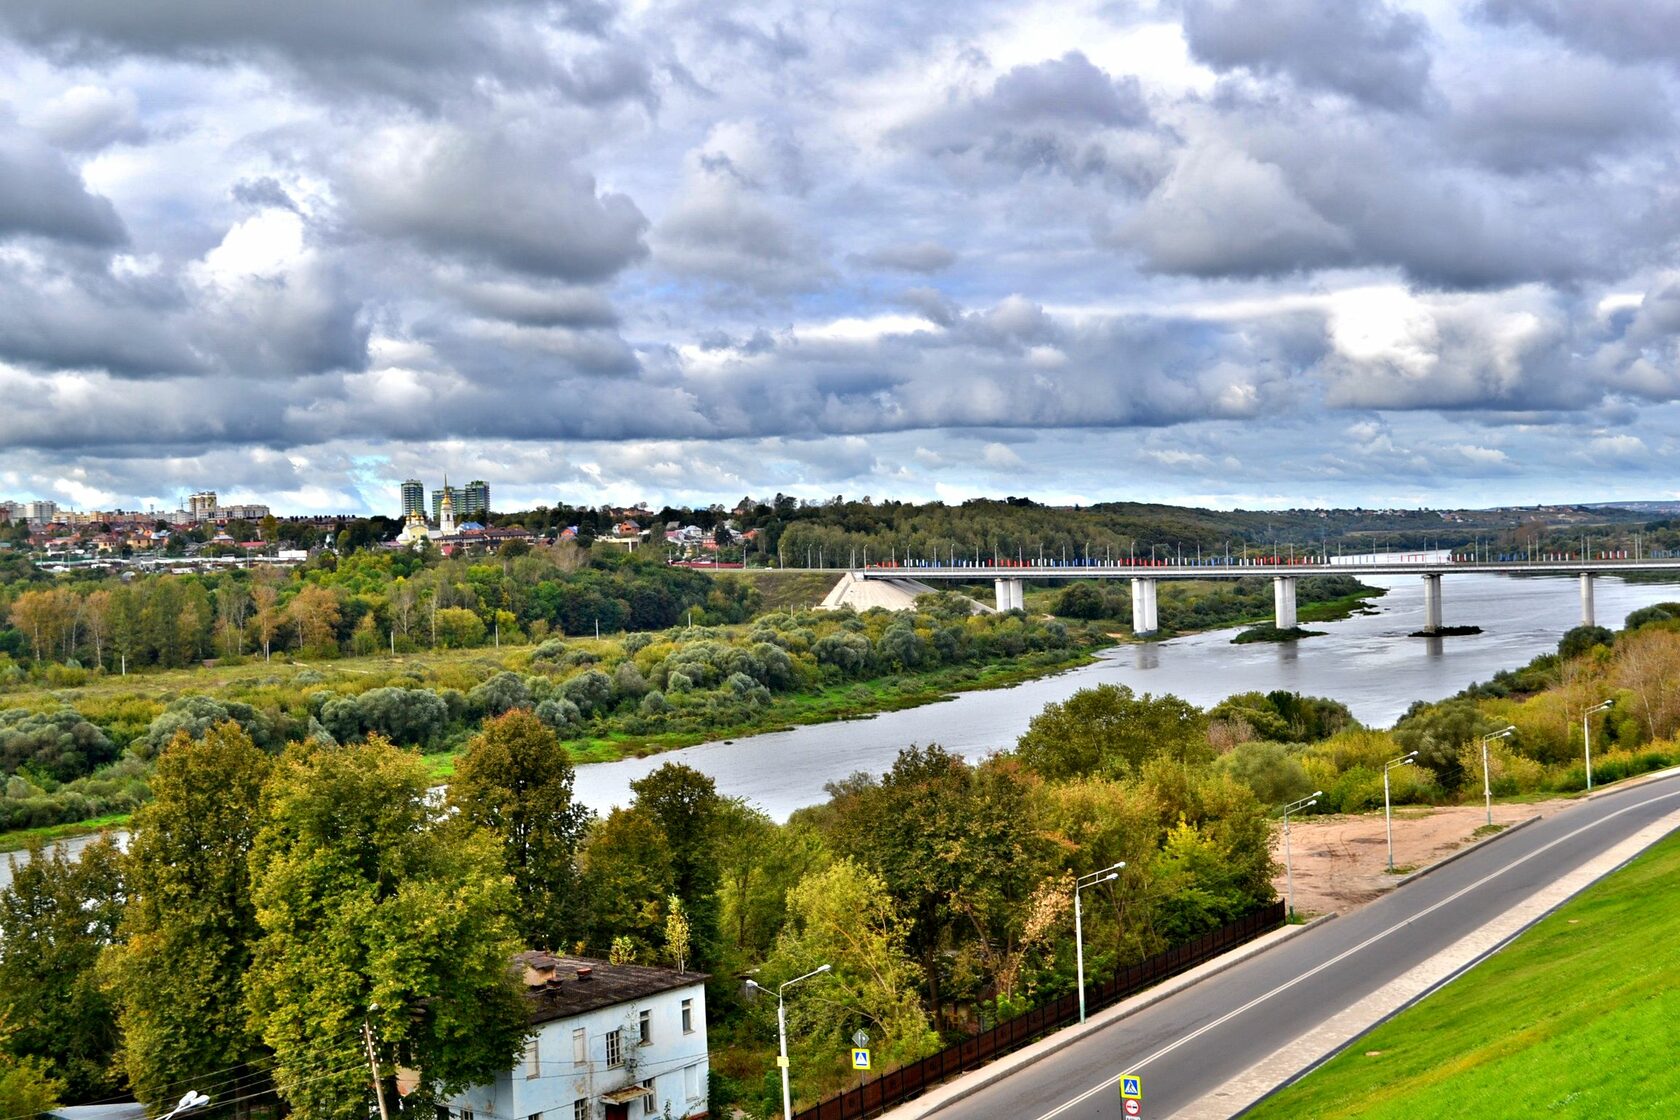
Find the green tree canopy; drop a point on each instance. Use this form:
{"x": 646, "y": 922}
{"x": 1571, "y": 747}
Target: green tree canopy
{"x": 190, "y": 925}
{"x": 374, "y": 908}
{"x": 515, "y": 779}
{"x": 57, "y": 916}
{"x": 1109, "y": 730}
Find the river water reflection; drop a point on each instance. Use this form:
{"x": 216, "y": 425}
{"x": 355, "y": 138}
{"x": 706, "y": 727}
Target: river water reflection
{"x": 1366, "y": 662}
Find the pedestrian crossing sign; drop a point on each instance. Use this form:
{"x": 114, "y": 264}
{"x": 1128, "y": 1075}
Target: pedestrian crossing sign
{"x": 860, "y": 1058}
{"x": 1131, "y": 1087}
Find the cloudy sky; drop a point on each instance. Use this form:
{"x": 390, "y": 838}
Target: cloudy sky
{"x": 1233, "y": 252}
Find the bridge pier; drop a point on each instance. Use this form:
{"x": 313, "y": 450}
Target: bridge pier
{"x": 1283, "y": 599}
{"x": 1144, "y": 618}
{"x": 1010, "y": 594}
{"x": 1431, "y": 604}
{"x": 1587, "y": 600}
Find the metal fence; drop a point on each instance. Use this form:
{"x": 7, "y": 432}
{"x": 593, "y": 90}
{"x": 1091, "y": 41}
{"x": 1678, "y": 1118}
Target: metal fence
{"x": 896, "y": 1086}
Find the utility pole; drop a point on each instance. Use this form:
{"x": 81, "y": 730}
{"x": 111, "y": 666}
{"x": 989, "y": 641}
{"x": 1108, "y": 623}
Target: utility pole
{"x": 373, "y": 1064}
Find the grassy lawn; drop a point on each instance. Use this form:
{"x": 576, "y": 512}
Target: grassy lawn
{"x": 788, "y": 591}
{"x": 1576, "y": 1019}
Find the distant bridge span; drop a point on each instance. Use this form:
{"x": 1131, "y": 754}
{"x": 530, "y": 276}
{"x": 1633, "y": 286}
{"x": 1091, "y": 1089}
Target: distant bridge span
{"x": 1009, "y": 579}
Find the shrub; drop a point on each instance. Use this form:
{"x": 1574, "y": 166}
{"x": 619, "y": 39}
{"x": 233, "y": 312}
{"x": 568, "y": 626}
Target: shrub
{"x": 61, "y": 745}
{"x": 501, "y": 693}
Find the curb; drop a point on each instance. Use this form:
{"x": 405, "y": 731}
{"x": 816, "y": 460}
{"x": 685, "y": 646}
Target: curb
{"x": 1630, "y": 783}
{"x": 966, "y": 1085}
{"x": 1464, "y": 851}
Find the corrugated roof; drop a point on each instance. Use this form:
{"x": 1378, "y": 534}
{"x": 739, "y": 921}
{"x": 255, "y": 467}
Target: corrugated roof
{"x": 607, "y": 984}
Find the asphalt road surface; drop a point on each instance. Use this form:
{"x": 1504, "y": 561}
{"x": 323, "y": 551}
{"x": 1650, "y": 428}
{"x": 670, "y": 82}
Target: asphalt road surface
{"x": 1195, "y": 1041}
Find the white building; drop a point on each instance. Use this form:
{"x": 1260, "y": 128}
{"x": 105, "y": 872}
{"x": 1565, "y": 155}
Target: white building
{"x": 613, "y": 1042}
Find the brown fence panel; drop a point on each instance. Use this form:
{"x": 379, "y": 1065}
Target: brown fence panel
{"x": 899, "y": 1085}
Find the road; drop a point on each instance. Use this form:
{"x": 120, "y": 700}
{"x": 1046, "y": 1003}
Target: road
{"x": 1197, "y": 1040}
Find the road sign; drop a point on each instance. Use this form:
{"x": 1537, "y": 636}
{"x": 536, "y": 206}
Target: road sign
{"x": 860, "y": 1038}
{"x": 860, "y": 1058}
{"x": 1131, "y": 1087}
{"x": 1134, "y": 1107}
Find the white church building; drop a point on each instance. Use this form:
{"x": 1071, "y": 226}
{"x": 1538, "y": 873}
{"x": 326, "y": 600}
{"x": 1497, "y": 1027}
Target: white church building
{"x": 613, "y": 1042}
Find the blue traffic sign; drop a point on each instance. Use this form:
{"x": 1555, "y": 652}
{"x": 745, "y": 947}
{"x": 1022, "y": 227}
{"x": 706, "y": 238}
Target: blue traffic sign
{"x": 1131, "y": 1087}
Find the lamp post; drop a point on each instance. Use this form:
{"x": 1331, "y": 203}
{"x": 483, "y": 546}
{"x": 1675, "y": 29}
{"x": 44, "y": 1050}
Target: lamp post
{"x": 1106, "y": 875}
{"x": 781, "y": 1030}
{"x": 1586, "y": 735}
{"x": 192, "y": 1100}
{"x": 1388, "y": 817}
{"x": 1487, "y": 784}
{"x": 1288, "y": 868}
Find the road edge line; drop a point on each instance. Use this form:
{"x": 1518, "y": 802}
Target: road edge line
{"x": 1211, "y": 1105}
{"x": 966, "y": 1085}
{"x": 1473, "y": 846}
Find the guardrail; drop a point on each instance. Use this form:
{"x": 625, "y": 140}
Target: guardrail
{"x": 896, "y": 1086}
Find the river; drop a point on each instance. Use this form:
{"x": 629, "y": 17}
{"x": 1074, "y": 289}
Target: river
{"x": 1366, "y": 662}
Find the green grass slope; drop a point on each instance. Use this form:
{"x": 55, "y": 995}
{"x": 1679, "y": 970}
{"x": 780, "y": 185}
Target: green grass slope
{"x": 1579, "y": 1017}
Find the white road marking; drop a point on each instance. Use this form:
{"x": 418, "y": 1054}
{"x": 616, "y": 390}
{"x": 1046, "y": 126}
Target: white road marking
{"x": 1140, "y": 1063}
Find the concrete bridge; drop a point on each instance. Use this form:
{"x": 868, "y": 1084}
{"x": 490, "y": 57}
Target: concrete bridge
{"x": 1009, "y": 579}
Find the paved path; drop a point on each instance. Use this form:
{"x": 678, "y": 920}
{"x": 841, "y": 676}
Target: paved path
{"x": 1211, "y": 1048}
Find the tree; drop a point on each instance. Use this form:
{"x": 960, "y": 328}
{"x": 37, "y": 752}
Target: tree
{"x": 58, "y": 915}
{"x": 516, "y": 780}
{"x": 626, "y": 868}
{"x": 844, "y": 916}
{"x": 374, "y": 907}
{"x": 190, "y": 926}
{"x": 676, "y": 933}
{"x": 26, "y": 1088}
{"x": 314, "y": 611}
{"x": 685, "y": 804}
{"x": 265, "y": 597}
{"x": 1109, "y": 730}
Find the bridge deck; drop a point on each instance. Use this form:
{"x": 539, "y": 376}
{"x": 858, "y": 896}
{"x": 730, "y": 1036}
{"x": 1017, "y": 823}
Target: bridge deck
{"x": 1220, "y": 570}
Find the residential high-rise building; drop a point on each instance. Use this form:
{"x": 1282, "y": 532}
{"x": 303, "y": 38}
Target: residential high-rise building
{"x": 202, "y": 505}
{"x": 40, "y": 512}
{"x": 413, "y": 497}
{"x": 474, "y": 502}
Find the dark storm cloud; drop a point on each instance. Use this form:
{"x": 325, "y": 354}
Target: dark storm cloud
{"x": 1639, "y": 30}
{"x": 1560, "y": 113}
{"x": 674, "y": 234}
{"x": 490, "y": 197}
{"x": 41, "y": 195}
{"x": 1064, "y": 114}
{"x": 400, "y": 46}
{"x": 920, "y": 256}
{"x": 1365, "y": 49}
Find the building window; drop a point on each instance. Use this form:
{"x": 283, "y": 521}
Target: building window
{"x": 580, "y": 1109}
{"x": 650, "y": 1103}
{"x": 534, "y": 1116}
{"x": 466, "y": 1114}
{"x": 691, "y": 1082}
{"x": 442, "y": 1112}
{"x": 688, "y": 1016}
{"x": 615, "y": 1049}
{"x": 533, "y": 1064}
{"x": 580, "y": 1047}
{"x": 644, "y": 1025}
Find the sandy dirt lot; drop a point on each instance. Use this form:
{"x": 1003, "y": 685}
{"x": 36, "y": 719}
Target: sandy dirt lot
{"x": 1341, "y": 862}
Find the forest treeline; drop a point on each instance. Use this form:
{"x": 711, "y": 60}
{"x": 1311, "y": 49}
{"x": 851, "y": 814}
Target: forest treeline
{"x": 359, "y": 604}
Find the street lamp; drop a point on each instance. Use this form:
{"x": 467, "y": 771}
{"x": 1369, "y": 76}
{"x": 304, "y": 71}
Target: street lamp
{"x": 781, "y": 1029}
{"x": 1106, "y": 875}
{"x": 1288, "y": 870}
{"x": 192, "y": 1100}
{"x": 1388, "y": 818}
{"x": 1586, "y": 736}
{"x": 1487, "y": 785}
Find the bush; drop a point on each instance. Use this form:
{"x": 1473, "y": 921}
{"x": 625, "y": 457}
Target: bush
{"x": 501, "y": 693}
{"x": 560, "y": 714}
{"x": 61, "y": 745}
{"x": 197, "y": 714}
